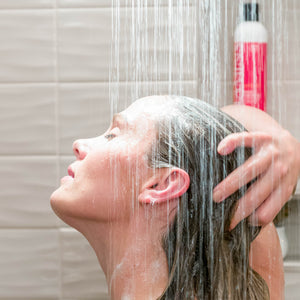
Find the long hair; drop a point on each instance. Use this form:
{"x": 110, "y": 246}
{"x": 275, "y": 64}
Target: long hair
{"x": 205, "y": 259}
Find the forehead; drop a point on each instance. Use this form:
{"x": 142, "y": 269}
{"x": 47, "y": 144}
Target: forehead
{"x": 146, "y": 110}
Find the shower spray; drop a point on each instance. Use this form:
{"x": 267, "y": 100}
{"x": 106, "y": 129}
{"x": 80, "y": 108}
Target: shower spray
{"x": 250, "y": 59}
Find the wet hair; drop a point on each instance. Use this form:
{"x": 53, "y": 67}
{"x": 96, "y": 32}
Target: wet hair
{"x": 205, "y": 259}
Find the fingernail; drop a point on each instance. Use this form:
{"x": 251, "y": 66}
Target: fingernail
{"x": 217, "y": 196}
{"x": 232, "y": 225}
{"x": 222, "y": 149}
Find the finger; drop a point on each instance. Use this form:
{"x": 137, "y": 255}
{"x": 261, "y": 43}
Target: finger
{"x": 245, "y": 139}
{"x": 256, "y": 195}
{"x": 268, "y": 210}
{"x": 254, "y": 166}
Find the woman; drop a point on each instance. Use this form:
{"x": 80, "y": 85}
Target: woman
{"x": 142, "y": 196}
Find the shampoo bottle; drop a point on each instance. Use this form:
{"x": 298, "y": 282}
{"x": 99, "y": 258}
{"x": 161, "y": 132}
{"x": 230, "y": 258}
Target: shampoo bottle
{"x": 250, "y": 59}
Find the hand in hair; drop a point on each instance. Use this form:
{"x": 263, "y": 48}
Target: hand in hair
{"x": 276, "y": 163}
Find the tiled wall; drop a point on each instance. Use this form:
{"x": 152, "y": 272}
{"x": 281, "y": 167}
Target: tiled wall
{"x": 62, "y": 74}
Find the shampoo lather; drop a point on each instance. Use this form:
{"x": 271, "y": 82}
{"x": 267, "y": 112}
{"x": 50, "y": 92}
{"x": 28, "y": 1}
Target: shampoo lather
{"x": 250, "y": 59}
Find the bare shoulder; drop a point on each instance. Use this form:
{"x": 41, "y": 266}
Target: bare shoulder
{"x": 252, "y": 118}
{"x": 266, "y": 259}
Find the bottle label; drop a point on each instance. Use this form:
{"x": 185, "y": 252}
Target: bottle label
{"x": 250, "y": 74}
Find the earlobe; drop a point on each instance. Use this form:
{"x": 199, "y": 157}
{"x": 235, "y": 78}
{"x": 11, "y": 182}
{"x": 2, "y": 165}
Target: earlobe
{"x": 171, "y": 184}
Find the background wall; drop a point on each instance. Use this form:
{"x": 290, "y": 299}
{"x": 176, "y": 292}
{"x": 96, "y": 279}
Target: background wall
{"x": 65, "y": 67}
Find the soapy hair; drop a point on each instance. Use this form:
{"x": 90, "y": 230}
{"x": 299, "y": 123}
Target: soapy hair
{"x": 205, "y": 259}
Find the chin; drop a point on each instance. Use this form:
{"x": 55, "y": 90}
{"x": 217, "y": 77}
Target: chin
{"x": 61, "y": 206}
{"x": 56, "y": 203}
{"x": 70, "y": 209}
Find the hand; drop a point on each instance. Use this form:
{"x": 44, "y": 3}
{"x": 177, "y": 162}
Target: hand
{"x": 276, "y": 162}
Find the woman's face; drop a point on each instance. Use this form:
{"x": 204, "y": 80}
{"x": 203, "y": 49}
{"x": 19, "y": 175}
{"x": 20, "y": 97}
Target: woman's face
{"x": 105, "y": 180}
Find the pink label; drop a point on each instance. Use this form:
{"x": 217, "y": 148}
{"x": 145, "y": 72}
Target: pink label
{"x": 250, "y": 74}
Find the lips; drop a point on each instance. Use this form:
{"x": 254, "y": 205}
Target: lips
{"x": 71, "y": 172}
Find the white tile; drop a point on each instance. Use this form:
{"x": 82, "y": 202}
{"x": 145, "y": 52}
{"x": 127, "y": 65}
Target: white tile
{"x": 82, "y": 277}
{"x": 25, "y": 188}
{"x": 149, "y": 46}
{"x": 27, "y": 46}
{"x": 20, "y": 4}
{"x": 29, "y": 264}
{"x": 27, "y": 117}
{"x": 85, "y": 110}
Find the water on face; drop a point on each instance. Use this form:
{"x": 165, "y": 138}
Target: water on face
{"x": 185, "y": 47}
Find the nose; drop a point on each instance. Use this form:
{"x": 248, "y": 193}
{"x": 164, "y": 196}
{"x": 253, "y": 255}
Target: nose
{"x": 80, "y": 148}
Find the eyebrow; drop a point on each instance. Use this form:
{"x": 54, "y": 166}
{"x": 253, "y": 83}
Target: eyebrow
{"x": 119, "y": 119}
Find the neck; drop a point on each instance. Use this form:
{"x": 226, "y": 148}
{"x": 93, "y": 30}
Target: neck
{"x": 134, "y": 263}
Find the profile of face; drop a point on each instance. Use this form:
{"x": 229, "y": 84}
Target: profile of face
{"x": 110, "y": 170}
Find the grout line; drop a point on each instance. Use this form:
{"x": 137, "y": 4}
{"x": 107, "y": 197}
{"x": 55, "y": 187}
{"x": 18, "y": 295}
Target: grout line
{"x": 56, "y": 107}
{"x": 32, "y": 228}
{"x": 8, "y": 156}
{"x": 83, "y": 8}
{"x": 98, "y": 82}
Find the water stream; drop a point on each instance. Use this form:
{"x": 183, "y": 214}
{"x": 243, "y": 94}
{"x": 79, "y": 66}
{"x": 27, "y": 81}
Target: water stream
{"x": 185, "y": 47}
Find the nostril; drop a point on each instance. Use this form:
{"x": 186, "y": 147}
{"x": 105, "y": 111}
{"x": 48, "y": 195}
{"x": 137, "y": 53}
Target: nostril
{"x": 77, "y": 152}
{"x": 81, "y": 148}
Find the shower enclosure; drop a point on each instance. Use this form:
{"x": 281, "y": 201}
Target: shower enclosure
{"x": 66, "y": 66}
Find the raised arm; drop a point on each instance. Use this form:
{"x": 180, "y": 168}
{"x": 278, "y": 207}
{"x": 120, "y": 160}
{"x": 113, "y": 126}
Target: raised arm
{"x": 276, "y": 161}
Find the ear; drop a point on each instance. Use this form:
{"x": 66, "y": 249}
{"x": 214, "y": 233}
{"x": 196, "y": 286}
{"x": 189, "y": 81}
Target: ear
{"x": 166, "y": 184}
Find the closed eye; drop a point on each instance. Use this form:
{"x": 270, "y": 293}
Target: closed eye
{"x": 110, "y": 136}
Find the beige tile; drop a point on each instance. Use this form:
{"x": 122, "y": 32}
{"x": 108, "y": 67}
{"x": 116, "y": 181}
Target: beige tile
{"x": 293, "y": 4}
{"x": 64, "y": 162}
{"x": 82, "y": 276}
{"x": 215, "y": 48}
{"x": 27, "y": 117}
{"x": 29, "y": 264}
{"x": 284, "y": 104}
{"x": 97, "y": 298}
{"x": 292, "y": 42}
{"x": 27, "y": 46}
{"x": 129, "y": 3}
{"x": 281, "y": 19}
{"x": 25, "y": 188}
{"x": 149, "y": 45}
{"x": 85, "y": 110}
{"x": 292, "y": 285}
{"x": 20, "y": 4}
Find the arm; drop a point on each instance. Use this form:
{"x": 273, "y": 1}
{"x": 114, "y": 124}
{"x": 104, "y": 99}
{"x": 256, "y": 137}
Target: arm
{"x": 265, "y": 252}
{"x": 266, "y": 259}
{"x": 276, "y": 161}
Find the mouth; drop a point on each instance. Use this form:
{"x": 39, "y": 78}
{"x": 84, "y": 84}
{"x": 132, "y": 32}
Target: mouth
{"x": 71, "y": 172}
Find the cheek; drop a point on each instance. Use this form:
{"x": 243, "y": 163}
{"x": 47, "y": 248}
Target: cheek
{"x": 111, "y": 175}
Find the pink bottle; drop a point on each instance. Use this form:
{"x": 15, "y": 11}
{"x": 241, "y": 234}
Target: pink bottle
{"x": 250, "y": 59}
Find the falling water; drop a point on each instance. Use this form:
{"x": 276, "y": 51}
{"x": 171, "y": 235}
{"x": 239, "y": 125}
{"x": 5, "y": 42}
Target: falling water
{"x": 185, "y": 47}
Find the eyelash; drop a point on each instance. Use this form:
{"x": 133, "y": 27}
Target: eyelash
{"x": 110, "y": 135}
